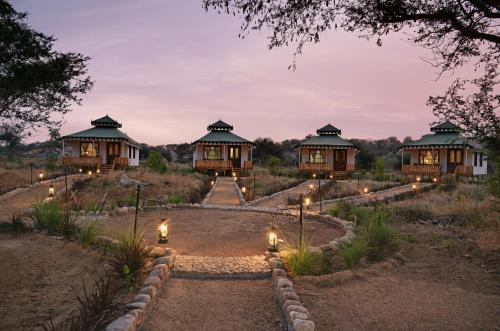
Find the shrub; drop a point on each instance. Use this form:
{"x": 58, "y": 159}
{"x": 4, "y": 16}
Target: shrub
{"x": 379, "y": 168}
{"x": 16, "y": 222}
{"x": 353, "y": 253}
{"x": 47, "y": 216}
{"x": 88, "y": 233}
{"x": 448, "y": 183}
{"x": 68, "y": 226}
{"x": 51, "y": 162}
{"x": 130, "y": 199}
{"x": 411, "y": 213}
{"x": 273, "y": 163}
{"x": 155, "y": 162}
{"x": 379, "y": 235}
{"x": 129, "y": 257}
{"x": 176, "y": 199}
{"x": 303, "y": 261}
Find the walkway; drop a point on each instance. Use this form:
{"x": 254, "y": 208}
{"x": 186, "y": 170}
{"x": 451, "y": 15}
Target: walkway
{"x": 189, "y": 304}
{"x": 280, "y": 199}
{"x": 224, "y": 193}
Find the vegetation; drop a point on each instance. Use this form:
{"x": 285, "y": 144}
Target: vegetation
{"x": 303, "y": 261}
{"x": 273, "y": 163}
{"x": 16, "y": 222}
{"x": 88, "y": 233}
{"x": 379, "y": 169}
{"x": 156, "y": 163}
{"x": 47, "y": 216}
{"x": 353, "y": 253}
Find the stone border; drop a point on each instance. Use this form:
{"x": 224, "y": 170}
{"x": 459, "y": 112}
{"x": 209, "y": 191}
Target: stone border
{"x": 296, "y": 316}
{"x": 268, "y": 197}
{"x": 143, "y": 302}
{"x": 240, "y": 194}
{"x": 18, "y": 190}
{"x": 209, "y": 194}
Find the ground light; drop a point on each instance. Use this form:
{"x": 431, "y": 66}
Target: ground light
{"x": 80, "y": 170}
{"x": 331, "y": 176}
{"x": 98, "y": 171}
{"x": 41, "y": 175}
{"x": 414, "y": 187}
{"x": 216, "y": 174}
{"x": 435, "y": 179}
{"x": 89, "y": 172}
{"x": 212, "y": 183}
{"x": 307, "y": 202}
{"x": 365, "y": 190}
{"x": 273, "y": 239}
{"x": 314, "y": 175}
{"x": 243, "y": 189}
{"x": 51, "y": 191}
{"x": 419, "y": 179}
{"x": 163, "y": 231}
{"x": 234, "y": 174}
{"x": 311, "y": 186}
{"x": 235, "y": 178}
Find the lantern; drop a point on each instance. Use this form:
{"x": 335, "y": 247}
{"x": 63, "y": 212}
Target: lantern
{"x": 331, "y": 176}
{"x": 216, "y": 174}
{"x": 414, "y": 186}
{"x": 365, "y": 190}
{"x": 51, "y": 191}
{"x": 419, "y": 179}
{"x": 235, "y": 178}
{"x": 80, "y": 170}
{"x": 89, "y": 172}
{"x": 234, "y": 174}
{"x": 314, "y": 175}
{"x": 41, "y": 175}
{"x": 98, "y": 171}
{"x": 273, "y": 239}
{"x": 243, "y": 189}
{"x": 212, "y": 183}
{"x": 311, "y": 186}
{"x": 163, "y": 231}
{"x": 435, "y": 179}
{"x": 307, "y": 201}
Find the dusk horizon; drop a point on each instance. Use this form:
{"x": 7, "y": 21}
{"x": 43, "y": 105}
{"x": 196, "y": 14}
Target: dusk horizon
{"x": 177, "y": 68}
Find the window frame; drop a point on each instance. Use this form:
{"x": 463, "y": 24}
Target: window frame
{"x": 89, "y": 144}
{"x": 314, "y": 152}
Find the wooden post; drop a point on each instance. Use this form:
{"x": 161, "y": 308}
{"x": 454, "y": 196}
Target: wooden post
{"x": 66, "y": 192}
{"x": 31, "y": 173}
{"x": 301, "y": 222}
{"x": 136, "y": 208}
{"x": 253, "y": 187}
{"x": 319, "y": 193}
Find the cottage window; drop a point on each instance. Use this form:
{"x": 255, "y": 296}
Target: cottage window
{"x": 480, "y": 159}
{"x": 212, "y": 153}
{"x": 317, "y": 156}
{"x": 133, "y": 152}
{"x": 475, "y": 159}
{"x": 425, "y": 157}
{"x": 89, "y": 149}
{"x": 129, "y": 152}
{"x": 455, "y": 156}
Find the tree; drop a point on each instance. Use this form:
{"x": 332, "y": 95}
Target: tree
{"x": 379, "y": 168}
{"x": 36, "y": 81}
{"x": 10, "y": 137}
{"x": 155, "y": 162}
{"x": 273, "y": 164}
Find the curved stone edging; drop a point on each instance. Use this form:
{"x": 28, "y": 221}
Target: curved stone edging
{"x": 143, "y": 302}
{"x": 209, "y": 194}
{"x": 240, "y": 194}
{"x": 268, "y": 197}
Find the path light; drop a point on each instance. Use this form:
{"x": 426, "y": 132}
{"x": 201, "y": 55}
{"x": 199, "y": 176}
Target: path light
{"x": 80, "y": 170}
{"x": 234, "y": 174}
{"x": 331, "y": 176}
{"x": 419, "y": 179}
{"x": 243, "y": 189}
{"x": 89, "y": 172}
{"x": 414, "y": 187}
{"x": 365, "y": 190}
{"x": 163, "y": 231}
{"x": 212, "y": 183}
{"x": 435, "y": 179}
{"x": 314, "y": 175}
{"x": 311, "y": 186}
{"x": 273, "y": 239}
{"x": 51, "y": 191}
{"x": 98, "y": 171}
{"x": 235, "y": 178}
{"x": 41, "y": 175}
{"x": 307, "y": 202}
{"x": 216, "y": 174}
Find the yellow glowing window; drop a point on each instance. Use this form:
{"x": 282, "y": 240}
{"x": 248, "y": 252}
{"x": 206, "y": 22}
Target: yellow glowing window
{"x": 426, "y": 157}
{"x": 89, "y": 149}
{"x": 212, "y": 153}
{"x": 317, "y": 156}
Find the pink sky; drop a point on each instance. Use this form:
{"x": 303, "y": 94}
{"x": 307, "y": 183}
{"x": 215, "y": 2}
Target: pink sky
{"x": 165, "y": 69}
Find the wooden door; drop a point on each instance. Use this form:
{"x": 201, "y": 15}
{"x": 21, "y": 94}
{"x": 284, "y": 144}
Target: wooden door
{"x": 340, "y": 160}
{"x": 235, "y": 156}
{"x": 112, "y": 151}
{"x": 455, "y": 157}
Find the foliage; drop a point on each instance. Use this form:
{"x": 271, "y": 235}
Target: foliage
{"x": 273, "y": 164}
{"x": 16, "y": 222}
{"x": 129, "y": 257}
{"x": 98, "y": 307}
{"x": 448, "y": 183}
{"x": 354, "y": 252}
{"x": 303, "y": 261}
{"x": 88, "y": 233}
{"x": 51, "y": 162}
{"x": 36, "y": 81}
{"x": 11, "y": 137}
{"x": 130, "y": 199}
{"x": 47, "y": 216}
{"x": 379, "y": 168}
{"x": 348, "y": 212}
{"x": 411, "y": 213}
{"x": 378, "y": 233}
{"x": 155, "y": 162}
{"x": 176, "y": 199}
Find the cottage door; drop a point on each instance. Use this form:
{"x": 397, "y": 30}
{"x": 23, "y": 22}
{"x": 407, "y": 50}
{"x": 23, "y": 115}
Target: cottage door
{"x": 113, "y": 150}
{"x": 340, "y": 161}
{"x": 455, "y": 157}
{"x": 235, "y": 156}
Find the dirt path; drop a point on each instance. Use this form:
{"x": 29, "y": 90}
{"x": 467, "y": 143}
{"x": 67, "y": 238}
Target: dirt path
{"x": 40, "y": 276}
{"x": 224, "y": 193}
{"x": 186, "y": 304}
{"x": 433, "y": 290}
{"x": 281, "y": 199}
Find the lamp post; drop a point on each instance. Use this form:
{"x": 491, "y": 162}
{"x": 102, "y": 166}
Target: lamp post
{"x": 301, "y": 221}
{"x": 41, "y": 175}
{"x": 319, "y": 193}
{"x": 273, "y": 239}
{"x": 163, "y": 231}
{"x": 136, "y": 207}
{"x": 31, "y": 173}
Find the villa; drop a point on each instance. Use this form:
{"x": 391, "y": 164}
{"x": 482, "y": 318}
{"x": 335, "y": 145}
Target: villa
{"x": 327, "y": 153}
{"x": 220, "y": 150}
{"x": 102, "y": 147}
{"x": 445, "y": 151}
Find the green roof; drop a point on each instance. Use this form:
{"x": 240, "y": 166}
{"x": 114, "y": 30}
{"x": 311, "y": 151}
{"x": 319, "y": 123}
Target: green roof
{"x": 330, "y": 140}
{"x": 328, "y": 129}
{"x": 106, "y": 121}
{"x": 220, "y": 126}
{"x": 222, "y": 137}
{"x": 440, "y": 139}
{"x": 99, "y": 133}
{"x": 446, "y": 127}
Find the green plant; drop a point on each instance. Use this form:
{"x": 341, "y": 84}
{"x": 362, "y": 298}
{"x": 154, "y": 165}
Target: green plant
{"x": 130, "y": 254}
{"x": 88, "y": 233}
{"x": 155, "y": 162}
{"x": 130, "y": 199}
{"x": 379, "y": 168}
{"x": 353, "y": 253}
{"x": 411, "y": 213}
{"x": 303, "y": 261}
{"x": 51, "y": 162}
{"x": 448, "y": 183}
{"x": 68, "y": 226}
{"x": 16, "y": 222}
{"x": 378, "y": 233}
{"x": 273, "y": 163}
{"x": 176, "y": 199}
{"x": 47, "y": 216}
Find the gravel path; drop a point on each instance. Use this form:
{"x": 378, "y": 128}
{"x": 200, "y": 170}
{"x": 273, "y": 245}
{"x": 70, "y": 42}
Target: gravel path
{"x": 280, "y": 199}
{"x": 224, "y": 193}
{"x": 186, "y": 304}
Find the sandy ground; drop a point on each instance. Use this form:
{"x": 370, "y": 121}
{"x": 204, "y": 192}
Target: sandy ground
{"x": 40, "y": 276}
{"x": 282, "y": 198}
{"x": 434, "y": 290}
{"x": 219, "y": 233}
{"x": 224, "y": 193}
{"x": 215, "y": 305}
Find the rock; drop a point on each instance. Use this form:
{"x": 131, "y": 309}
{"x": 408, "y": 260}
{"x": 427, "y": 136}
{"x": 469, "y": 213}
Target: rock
{"x": 170, "y": 252}
{"x": 297, "y": 315}
{"x": 125, "y": 323}
{"x": 149, "y": 290}
{"x": 303, "y": 325}
{"x": 288, "y": 303}
{"x": 157, "y": 252}
{"x": 35, "y": 231}
{"x": 315, "y": 250}
{"x": 122, "y": 210}
{"x": 158, "y": 273}
{"x": 297, "y": 308}
{"x": 125, "y": 181}
{"x": 142, "y": 298}
{"x": 290, "y": 296}
{"x": 275, "y": 263}
{"x": 435, "y": 221}
{"x": 168, "y": 260}
{"x": 283, "y": 282}
{"x": 278, "y": 273}
{"x": 422, "y": 222}
{"x": 138, "y": 305}
{"x": 153, "y": 281}
{"x": 138, "y": 315}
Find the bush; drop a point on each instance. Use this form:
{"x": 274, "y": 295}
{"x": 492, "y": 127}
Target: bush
{"x": 16, "y": 222}
{"x": 273, "y": 164}
{"x": 129, "y": 257}
{"x": 47, "y": 216}
{"x": 448, "y": 183}
{"x": 155, "y": 162}
{"x": 379, "y": 169}
{"x": 88, "y": 233}
{"x": 353, "y": 253}
{"x": 176, "y": 199}
{"x": 130, "y": 199}
{"x": 305, "y": 262}
{"x": 51, "y": 162}
{"x": 411, "y": 213}
{"x": 379, "y": 235}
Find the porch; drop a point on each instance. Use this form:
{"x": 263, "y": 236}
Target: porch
{"x": 325, "y": 167}
{"x": 95, "y": 162}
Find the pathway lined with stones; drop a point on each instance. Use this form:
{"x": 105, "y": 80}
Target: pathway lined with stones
{"x": 224, "y": 193}
{"x": 192, "y": 304}
{"x": 367, "y": 198}
{"x": 280, "y": 199}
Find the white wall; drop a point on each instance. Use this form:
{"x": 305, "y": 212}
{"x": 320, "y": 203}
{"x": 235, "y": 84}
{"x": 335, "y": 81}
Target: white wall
{"x": 478, "y": 170}
{"x": 132, "y": 161}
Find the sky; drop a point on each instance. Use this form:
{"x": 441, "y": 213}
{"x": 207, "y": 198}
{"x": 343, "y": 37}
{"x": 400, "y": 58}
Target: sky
{"x": 166, "y": 69}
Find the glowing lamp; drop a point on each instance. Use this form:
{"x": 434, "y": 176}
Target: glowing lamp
{"x": 314, "y": 175}
{"x": 98, "y": 171}
{"x": 41, "y": 175}
{"x": 235, "y": 178}
{"x": 80, "y": 170}
{"x": 435, "y": 179}
{"x": 51, "y": 191}
{"x": 414, "y": 186}
{"x": 418, "y": 179}
{"x": 307, "y": 201}
{"x": 89, "y": 172}
{"x": 365, "y": 190}
{"x": 273, "y": 239}
{"x": 311, "y": 186}
{"x": 331, "y": 176}
{"x": 216, "y": 174}
{"x": 243, "y": 189}
{"x": 234, "y": 174}
{"x": 212, "y": 183}
{"x": 163, "y": 232}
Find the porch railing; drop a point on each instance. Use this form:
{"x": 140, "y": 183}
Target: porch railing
{"x": 463, "y": 170}
{"x": 420, "y": 169}
{"x": 315, "y": 167}
{"x": 212, "y": 164}
{"x": 248, "y": 164}
{"x": 82, "y": 161}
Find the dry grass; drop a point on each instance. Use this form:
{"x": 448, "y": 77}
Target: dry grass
{"x": 267, "y": 184}
{"x": 353, "y": 187}
{"x": 14, "y": 176}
